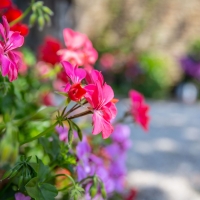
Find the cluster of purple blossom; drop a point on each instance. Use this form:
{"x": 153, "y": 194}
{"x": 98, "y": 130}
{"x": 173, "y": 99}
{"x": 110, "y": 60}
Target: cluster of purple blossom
{"x": 108, "y": 163}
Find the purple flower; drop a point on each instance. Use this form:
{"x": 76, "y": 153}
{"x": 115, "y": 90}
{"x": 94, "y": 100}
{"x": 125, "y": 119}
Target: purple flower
{"x": 90, "y": 165}
{"x": 9, "y": 60}
{"x": 63, "y": 133}
{"x": 20, "y": 196}
{"x": 121, "y": 136}
{"x": 190, "y": 66}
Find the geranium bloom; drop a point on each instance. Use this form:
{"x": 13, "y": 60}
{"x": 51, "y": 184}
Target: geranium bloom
{"x": 5, "y": 4}
{"x": 9, "y": 60}
{"x": 104, "y": 110}
{"x": 79, "y": 49}
{"x": 48, "y": 50}
{"x": 90, "y": 165}
{"x": 12, "y": 14}
{"x": 139, "y": 109}
{"x": 76, "y": 75}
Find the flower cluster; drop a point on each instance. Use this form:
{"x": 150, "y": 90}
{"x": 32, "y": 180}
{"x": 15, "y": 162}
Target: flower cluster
{"x": 108, "y": 163}
{"x": 98, "y": 94}
{"x": 80, "y": 162}
{"x": 10, "y": 61}
{"x": 79, "y": 49}
{"x": 10, "y": 10}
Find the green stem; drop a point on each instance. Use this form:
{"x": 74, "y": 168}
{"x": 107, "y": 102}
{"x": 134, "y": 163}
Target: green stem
{"x": 41, "y": 134}
{"x": 80, "y": 114}
{"x": 26, "y": 12}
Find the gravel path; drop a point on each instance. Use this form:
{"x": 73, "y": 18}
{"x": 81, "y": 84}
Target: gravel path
{"x": 164, "y": 164}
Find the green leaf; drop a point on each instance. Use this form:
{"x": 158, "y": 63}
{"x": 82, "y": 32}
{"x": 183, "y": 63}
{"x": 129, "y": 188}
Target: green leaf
{"x": 40, "y": 191}
{"x": 43, "y": 171}
{"x": 41, "y": 134}
{"x": 52, "y": 148}
{"x": 80, "y": 134}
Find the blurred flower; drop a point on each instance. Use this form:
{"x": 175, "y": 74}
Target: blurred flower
{"x": 47, "y": 99}
{"x": 121, "y": 135}
{"x": 139, "y": 109}
{"x": 190, "y": 66}
{"x": 132, "y": 194}
{"x": 117, "y": 167}
{"x": 107, "y": 60}
{"x": 90, "y": 165}
{"x": 62, "y": 181}
{"x": 76, "y": 75}
{"x": 79, "y": 49}
{"x": 12, "y": 14}
{"x": 48, "y": 50}
{"x": 23, "y": 68}
{"x": 5, "y": 4}
{"x": 63, "y": 133}
{"x": 10, "y": 61}
{"x": 20, "y": 196}
{"x": 104, "y": 110}
{"x": 43, "y": 69}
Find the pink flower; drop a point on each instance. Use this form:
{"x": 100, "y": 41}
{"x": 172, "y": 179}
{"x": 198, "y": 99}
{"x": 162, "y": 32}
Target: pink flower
{"x": 94, "y": 76}
{"x": 139, "y": 109}
{"x": 104, "y": 110}
{"x": 79, "y": 49}
{"x": 20, "y": 196}
{"x": 107, "y": 60}
{"x": 9, "y": 60}
{"x": 76, "y": 75}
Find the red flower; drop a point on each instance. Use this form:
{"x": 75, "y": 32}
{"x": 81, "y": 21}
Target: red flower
{"x": 76, "y": 92}
{"x": 139, "y": 109}
{"x": 48, "y": 50}
{"x": 47, "y": 99}
{"x": 12, "y": 14}
{"x": 5, "y": 4}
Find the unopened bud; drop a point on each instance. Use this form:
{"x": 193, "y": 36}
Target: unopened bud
{"x": 48, "y": 20}
{"x": 39, "y": 4}
{"x": 70, "y": 136}
{"x": 32, "y": 19}
{"x": 47, "y": 10}
{"x": 14, "y": 187}
{"x": 103, "y": 192}
{"x": 93, "y": 191}
{"x": 41, "y": 22}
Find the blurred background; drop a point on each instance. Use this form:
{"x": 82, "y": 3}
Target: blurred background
{"x": 152, "y": 46}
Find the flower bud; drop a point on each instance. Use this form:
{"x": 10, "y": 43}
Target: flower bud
{"x": 41, "y": 22}
{"x": 48, "y": 20}
{"x": 93, "y": 191}
{"x": 47, "y": 10}
{"x": 70, "y": 136}
{"x": 103, "y": 192}
{"x": 32, "y": 19}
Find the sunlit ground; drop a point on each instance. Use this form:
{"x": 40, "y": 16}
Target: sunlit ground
{"x": 164, "y": 163}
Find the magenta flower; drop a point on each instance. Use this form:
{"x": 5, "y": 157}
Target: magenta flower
{"x": 104, "y": 110}
{"x": 79, "y": 49}
{"x": 9, "y": 60}
{"x": 20, "y": 196}
{"x": 139, "y": 109}
{"x": 76, "y": 75}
